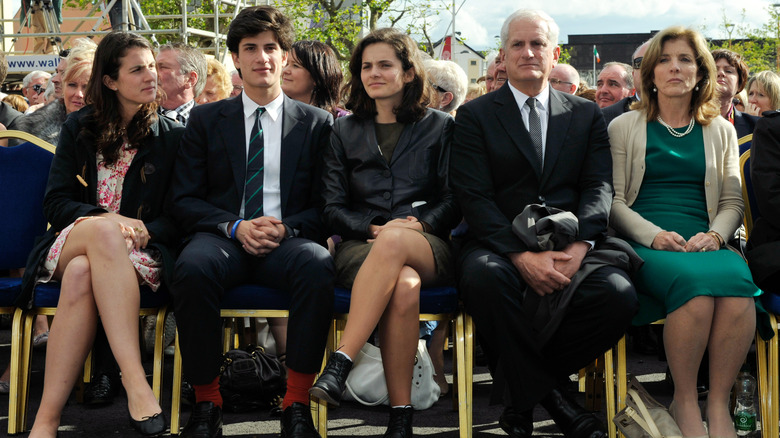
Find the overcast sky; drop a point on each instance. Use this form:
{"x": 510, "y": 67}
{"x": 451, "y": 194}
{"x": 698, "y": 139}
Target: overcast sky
{"x": 479, "y": 21}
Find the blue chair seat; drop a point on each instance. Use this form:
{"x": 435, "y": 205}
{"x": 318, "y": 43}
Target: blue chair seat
{"x": 433, "y": 300}
{"x": 10, "y": 288}
{"x": 48, "y": 294}
{"x": 250, "y": 296}
{"x": 771, "y": 302}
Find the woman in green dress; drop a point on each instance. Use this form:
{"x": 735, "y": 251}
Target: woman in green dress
{"x": 677, "y": 199}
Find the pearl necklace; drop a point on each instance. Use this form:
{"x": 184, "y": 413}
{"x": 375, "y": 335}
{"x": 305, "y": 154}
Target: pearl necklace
{"x": 676, "y": 133}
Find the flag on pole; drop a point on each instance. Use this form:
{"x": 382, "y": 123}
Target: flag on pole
{"x": 596, "y": 54}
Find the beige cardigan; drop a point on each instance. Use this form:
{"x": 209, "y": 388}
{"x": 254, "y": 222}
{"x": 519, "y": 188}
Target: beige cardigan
{"x": 722, "y": 181}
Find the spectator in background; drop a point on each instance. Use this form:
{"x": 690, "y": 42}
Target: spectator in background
{"x": 474, "y": 91}
{"x": 313, "y": 75}
{"x": 763, "y": 93}
{"x": 17, "y": 102}
{"x": 624, "y": 105}
{"x": 614, "y": 83}
{"x": 565, "y": 78}
{"x": 33, "y": 86}
{"x": 732, "y": 77}
{"x": 449, "y": 82}
{"x": 238, "y": 84}
{"x": 218, "y": 85}
{"x": 182, "y": 76}
{"x": 7, "y": 113}
{"x": 586, "y": 92}
{"x": 82, "y": 48}
{"x": 490, "y": 73}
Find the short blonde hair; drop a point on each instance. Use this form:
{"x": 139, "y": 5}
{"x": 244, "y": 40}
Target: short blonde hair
{"x": 215, "y": 69}
{"x": 769, "y": 81}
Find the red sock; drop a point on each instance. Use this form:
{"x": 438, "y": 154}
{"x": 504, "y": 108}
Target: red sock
{"x": 208, "y": 393}
{"x": 298, "y": 385}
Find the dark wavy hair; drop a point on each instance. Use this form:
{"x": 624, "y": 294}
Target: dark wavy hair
{"x": 418, "y": 92}
{"x": 258, "y": 19}
{"x": 323, "y": 66}
{"x": 104, "y": 126}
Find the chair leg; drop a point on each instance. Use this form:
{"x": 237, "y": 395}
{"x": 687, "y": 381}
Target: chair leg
{"x": 176, "y": 395}
{"x": 774, "y": 379}
{"x": 621, "y": 378}
{"x": 19, "y": 379}
{"x": 763, "y": 386}
{"x": 464, "y": 373}
{"x": 609, "y": 388}
{"x": 159, "y": 357}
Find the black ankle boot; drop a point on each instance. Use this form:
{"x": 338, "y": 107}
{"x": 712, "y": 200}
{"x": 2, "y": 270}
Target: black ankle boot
{"x": 330, "y": 385}
{"x": 400, "y": 423}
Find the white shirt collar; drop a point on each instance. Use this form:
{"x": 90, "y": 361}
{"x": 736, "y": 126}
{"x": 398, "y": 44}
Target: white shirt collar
{"x": 273, "y": 108}
{"x": 543, "y": 98}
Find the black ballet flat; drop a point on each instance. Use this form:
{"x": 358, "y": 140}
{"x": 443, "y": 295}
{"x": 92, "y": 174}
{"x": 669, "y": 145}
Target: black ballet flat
{"x": 149, "y": 426}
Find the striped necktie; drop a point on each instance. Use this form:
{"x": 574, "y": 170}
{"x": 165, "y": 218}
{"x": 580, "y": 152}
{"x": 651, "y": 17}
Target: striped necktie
{"x": 253, "y": 189}
{"x": 535, "y": 129}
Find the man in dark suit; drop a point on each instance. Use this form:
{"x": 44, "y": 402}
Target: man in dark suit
{"x": 763, "y": 246}
{"x": 525, "y": 144}
{"x": 245, "y": 186}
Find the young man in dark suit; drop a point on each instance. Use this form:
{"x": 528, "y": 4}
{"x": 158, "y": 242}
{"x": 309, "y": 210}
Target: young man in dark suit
{"x": 244, "y": 187}
{"x": 526, "y": 144}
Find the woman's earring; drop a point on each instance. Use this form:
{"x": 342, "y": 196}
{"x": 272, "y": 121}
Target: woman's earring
{"x": 696, "y": 88}
{"x": 655, "y": 90}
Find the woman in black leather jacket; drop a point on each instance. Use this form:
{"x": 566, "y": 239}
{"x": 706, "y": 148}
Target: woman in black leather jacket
{"x": 386, "y": 194}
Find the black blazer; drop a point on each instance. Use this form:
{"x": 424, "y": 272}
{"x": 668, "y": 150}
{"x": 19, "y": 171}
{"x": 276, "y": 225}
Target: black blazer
{"x": 144, "y": 192}
{"x": 745, "y": 124}
{"x": 763, "y": 246}
{"x": 208, "y": 182}
{"x": 616, "y": 109}
{"x": 360, "y": 188}
{"x": 494, "y": 179}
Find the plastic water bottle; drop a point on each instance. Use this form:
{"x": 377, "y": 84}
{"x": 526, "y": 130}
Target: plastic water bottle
{"x": 745, "y": 407}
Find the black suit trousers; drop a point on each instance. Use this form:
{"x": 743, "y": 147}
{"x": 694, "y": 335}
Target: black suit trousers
{"x": 600, "y": 311}
{"x": 210, "y": 264}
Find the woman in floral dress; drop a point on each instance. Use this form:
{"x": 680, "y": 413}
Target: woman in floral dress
{"x": 105, "y": 200}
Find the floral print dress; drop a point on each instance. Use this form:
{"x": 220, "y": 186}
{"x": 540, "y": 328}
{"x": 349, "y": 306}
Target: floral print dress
{"x": 147, "y": 262}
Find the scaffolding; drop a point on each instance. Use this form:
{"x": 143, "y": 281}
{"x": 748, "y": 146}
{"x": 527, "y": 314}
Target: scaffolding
{"x": 97, "y": 19}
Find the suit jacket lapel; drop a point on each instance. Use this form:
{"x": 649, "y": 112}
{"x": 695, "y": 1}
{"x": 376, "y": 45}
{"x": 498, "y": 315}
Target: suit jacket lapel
{"x": 293, "y": 137}
{"x": 557, "y": 128}
{"x": 510, "y": 118}
{"x": 232, "y": 132}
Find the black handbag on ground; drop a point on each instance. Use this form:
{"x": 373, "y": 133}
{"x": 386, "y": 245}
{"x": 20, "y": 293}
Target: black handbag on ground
{"x": 251, "y": 379}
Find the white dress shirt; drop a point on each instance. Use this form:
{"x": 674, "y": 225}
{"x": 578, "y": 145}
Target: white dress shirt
{"x": 542, "y": 107}
{"x": 271, "y": 120}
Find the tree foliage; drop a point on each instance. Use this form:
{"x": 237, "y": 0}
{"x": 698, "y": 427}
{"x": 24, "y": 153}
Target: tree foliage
{"x": 338, "y": 23}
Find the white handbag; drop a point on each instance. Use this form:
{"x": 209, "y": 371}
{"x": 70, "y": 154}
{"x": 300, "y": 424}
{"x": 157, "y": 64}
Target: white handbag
{"x": 366, "y": 382}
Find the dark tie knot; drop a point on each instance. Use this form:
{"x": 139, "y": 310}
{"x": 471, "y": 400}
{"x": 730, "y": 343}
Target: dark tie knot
{"x": 531, "y": 102}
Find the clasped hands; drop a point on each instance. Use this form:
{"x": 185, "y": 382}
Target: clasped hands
{"x": 671, "y": 241}
{"x": 549, "y": 271}
{"x": 261, "y": 235}
{"x": 410, "y": 222}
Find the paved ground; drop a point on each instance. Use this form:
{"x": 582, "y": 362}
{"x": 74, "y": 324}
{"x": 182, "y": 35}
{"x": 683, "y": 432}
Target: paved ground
{"x": 349, "y": 420}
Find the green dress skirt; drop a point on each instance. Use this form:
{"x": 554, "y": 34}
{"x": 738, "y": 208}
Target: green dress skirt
{"x": 672, "y": 197}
